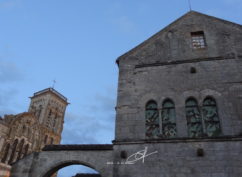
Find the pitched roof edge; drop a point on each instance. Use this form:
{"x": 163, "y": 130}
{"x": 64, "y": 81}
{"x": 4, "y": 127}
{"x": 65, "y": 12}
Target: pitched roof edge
{"x": 153, "y": 37}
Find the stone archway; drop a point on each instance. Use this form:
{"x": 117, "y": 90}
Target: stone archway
{"x": 63, "y": 164}
{"x": 54, "y": 157}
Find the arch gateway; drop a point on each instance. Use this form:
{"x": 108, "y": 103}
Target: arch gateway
{"x": 178, "y": 110}
{"x": 55, "y": 157}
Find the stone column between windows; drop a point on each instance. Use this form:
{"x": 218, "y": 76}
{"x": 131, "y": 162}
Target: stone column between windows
{"x": 181, "y": 121}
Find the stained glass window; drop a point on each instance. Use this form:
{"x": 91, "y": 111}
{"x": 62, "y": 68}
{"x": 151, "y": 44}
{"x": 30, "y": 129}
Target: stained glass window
{"x": 210, "y": 117}
{"x": 194, "y": 120}
{"x": 168, "y": 115}
{"x": 152, "y": 120}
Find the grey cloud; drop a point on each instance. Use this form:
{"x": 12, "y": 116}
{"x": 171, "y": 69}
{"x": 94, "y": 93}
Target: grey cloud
{"x": 125, "y": 24}
{"x": 6, "y": 98}
{"x": 9, "y": 72}
{"x": 106, "y": 103}
{"x": 94, "y": 125}
{"x": 81, "y": 129}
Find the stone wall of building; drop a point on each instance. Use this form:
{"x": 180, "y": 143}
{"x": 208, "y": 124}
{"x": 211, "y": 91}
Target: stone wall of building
{"x": 167, "y": 66}
{"x": 181, "y": 158}
{"x": 213, "y": 78}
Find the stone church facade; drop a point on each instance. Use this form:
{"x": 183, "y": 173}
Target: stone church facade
{"x": 179, "y": 108}
{"x": 30, "y": 131}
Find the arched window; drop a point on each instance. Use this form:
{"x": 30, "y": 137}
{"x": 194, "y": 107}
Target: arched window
{"x": 194, "y": 120}
{"x": 20, "y": 149}
{"x": 14, "y": 146}
{"x": 4, "y": 159}
{"x": 152, "y": 120}
{"x": 210, "y": 117}
{"x": 26, "y": 148}
{"x": 168, "y": 116}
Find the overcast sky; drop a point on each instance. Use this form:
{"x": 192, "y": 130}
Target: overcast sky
{"x": 76, "y": 42}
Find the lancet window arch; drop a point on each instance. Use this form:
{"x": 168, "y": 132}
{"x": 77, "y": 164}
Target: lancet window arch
{"x": 160, "y": 122}
{"x": 211, "y": 118}
{"x": 152, "y": 119}
{"x": 194, "y": 119}
{"x": 202, "y": 121}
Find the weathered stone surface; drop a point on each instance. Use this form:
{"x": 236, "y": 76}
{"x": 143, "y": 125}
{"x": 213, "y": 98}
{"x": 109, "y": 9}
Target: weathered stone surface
{"x": 179, "y": 158}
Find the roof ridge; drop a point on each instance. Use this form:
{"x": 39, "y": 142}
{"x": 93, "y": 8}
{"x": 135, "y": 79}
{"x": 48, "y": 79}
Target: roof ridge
{"x": 153, "y": 37}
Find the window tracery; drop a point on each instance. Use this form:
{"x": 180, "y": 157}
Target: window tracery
{"x": 160, "y": 123}
{"x": 210, "y": 116}
{"x": 194, "y": 120}
{"x": 205, "y": 122}
{"x": 152, "y": 119}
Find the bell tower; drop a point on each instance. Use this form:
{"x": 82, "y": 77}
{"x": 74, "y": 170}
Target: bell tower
{"x": 49, "y": 107}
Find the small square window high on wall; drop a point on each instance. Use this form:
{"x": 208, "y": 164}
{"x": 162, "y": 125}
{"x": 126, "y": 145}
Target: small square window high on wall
{"x": 198, "y": 40}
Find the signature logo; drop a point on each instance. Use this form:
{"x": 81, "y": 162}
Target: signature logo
{"x": 140, "y": 155}
{"x": 132, "y": 159}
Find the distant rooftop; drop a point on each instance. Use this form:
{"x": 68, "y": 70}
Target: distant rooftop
{"x": 53, "y": 91}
